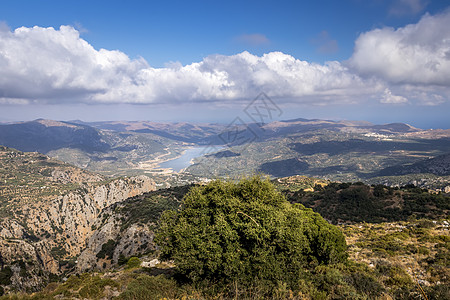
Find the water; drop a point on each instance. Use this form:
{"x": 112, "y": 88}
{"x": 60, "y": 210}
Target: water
{"x": 184, "y": 160}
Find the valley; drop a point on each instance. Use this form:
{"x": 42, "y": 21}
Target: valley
{"x": 90, "y": 205}
{"x": 335, "y": 150}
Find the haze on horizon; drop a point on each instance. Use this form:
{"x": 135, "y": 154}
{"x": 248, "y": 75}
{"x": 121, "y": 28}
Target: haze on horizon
{"x": 202, "y": 61}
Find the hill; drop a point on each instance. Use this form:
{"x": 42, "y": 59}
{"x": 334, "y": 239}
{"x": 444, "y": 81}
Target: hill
{"x": 339, "y": 151}
{"x": 388, "y": 259}
{"x": 350, "y": 203}
{"x": 48, "y": 209}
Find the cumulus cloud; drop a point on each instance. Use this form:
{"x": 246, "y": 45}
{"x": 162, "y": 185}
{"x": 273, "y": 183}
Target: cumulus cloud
{"x": 414, "y": 54}
{"x": 414, "y": 59}
{"x": 46, "y": 64}
{"x": 389, "y": 98}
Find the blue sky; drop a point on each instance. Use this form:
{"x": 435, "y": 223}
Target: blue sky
{"x": 204, "y": 60}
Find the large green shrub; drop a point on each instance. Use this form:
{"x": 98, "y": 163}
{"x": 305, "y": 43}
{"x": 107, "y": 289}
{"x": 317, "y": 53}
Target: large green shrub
{"x": 246, "y": 232}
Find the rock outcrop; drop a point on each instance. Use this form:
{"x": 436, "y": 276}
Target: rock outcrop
{"x": 44, "y": 238}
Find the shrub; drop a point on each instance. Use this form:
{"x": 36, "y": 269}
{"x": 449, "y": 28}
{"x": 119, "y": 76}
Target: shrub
{"x": 246, "y": 232}
{"x": 133, "y": 262}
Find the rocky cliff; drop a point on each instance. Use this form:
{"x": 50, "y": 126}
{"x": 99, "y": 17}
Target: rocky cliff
{"x": 126, "y": 228}
{"x": 42, "y": 239}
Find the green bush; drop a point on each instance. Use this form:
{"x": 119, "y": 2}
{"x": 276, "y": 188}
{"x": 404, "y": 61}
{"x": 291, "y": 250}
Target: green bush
{"x": 246, "y": 232}
{"x": 133, "y": 262}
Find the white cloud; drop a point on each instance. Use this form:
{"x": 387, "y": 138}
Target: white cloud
{"x": 415, "y": 60}
{"x": 389, "y": 98}
{"x": 45, "y": 64}
{"x": 414, "y": 54}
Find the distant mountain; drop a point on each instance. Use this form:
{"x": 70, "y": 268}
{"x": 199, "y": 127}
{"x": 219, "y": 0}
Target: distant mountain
{"x": 109, "y": 152}
{"x": 336, "y": 150}
{"x": 219, "y": 134}
{"x": 344, "y": 150}
{"x": 202, "y": 133}
{"x": 282, "y": 168}
{"x": 47, "y": 135}
{"x": 304, "y": 125}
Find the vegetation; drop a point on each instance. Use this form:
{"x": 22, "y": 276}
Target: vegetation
{"x": 148, "y": 207}
{"x": 357, "y": 202}
{"x": 107, "y": 250}
{"x": 245, "y": 240}
{"x": 246, "y": 233}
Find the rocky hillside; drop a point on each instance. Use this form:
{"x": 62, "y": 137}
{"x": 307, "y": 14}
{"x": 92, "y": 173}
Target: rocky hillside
{"x": 126, "y": 229}
{"x": 388, "y": 260}
{"x": 49, "y": 214}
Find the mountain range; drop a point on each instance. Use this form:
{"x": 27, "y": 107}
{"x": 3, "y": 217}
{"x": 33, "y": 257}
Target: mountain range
{"x": 337, "y": 150}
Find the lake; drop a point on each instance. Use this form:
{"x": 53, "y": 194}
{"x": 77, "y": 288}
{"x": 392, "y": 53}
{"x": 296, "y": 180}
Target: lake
{"x": 184, "y": 160}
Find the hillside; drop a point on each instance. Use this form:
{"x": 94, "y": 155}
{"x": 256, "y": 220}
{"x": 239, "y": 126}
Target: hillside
{"x": 349, "y": 203}
{"x": 48, "y": 210}
{"x": 27, "y": 178}
{"x": 439, "y": 165}
{"x": 388, "y": 259}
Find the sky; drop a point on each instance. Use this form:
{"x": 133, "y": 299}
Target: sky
{"x": 206, "y": 61}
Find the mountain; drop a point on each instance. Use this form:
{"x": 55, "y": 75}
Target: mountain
{"x": 108, "y": 152}
{"x": 47, "y": 135}
{"x": 337, "y": 150}
{"x": 198, "y": 133}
